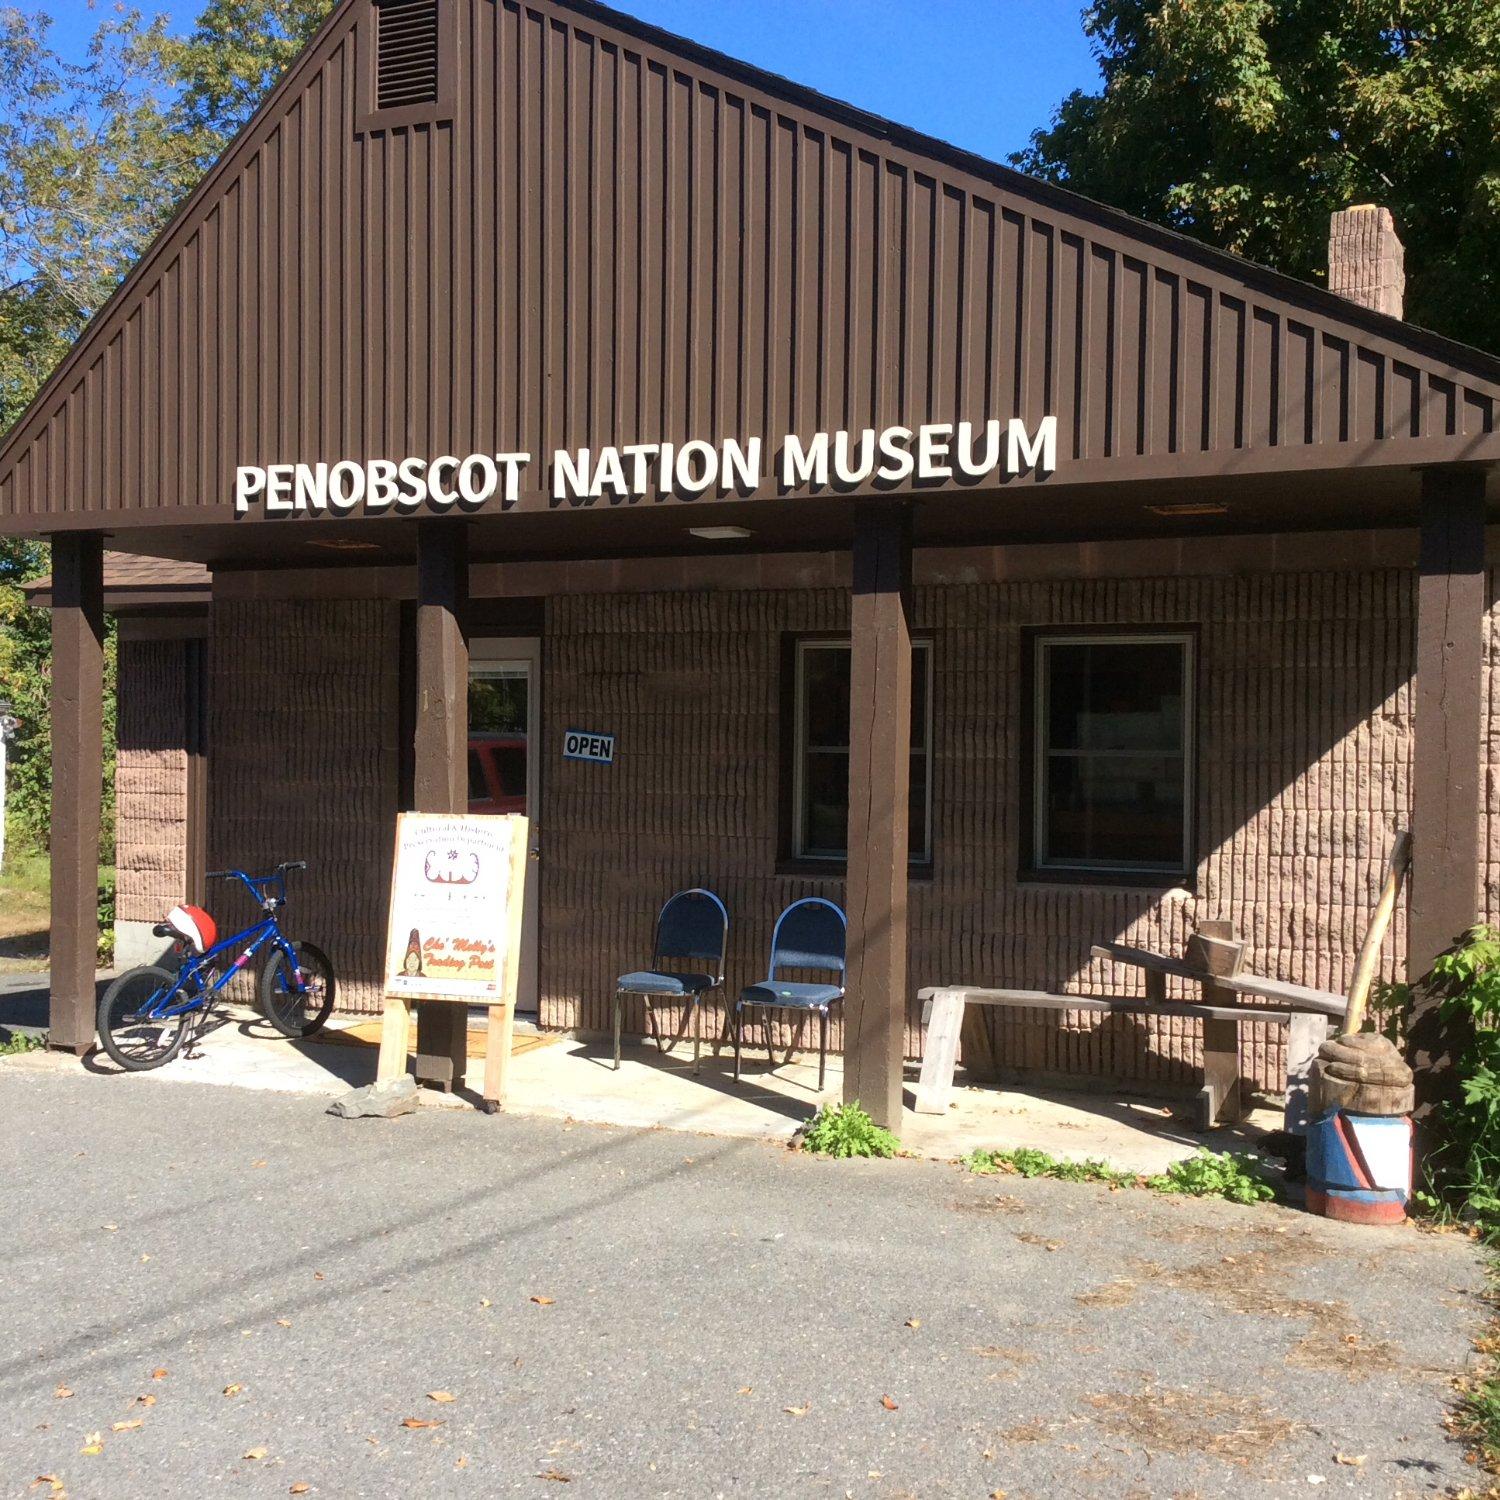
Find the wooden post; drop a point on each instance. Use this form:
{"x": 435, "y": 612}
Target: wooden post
{"x": 77, "y": 783}
{"x": 1446, "y": 757}
{"x": 440, "y": 772}
{"x": 879, "y": 779}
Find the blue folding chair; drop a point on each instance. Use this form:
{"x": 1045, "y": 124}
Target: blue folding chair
{"x": 693, "y": 925}
{"x": 809, "y": 934}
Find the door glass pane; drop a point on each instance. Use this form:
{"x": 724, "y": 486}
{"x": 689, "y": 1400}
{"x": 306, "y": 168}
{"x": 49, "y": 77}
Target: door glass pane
{"x": 498, "y": 707}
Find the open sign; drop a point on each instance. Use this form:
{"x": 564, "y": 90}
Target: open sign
{"x": 581, "y": 744}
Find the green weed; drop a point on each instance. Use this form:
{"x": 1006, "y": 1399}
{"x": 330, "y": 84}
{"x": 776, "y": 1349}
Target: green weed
{"x": 847, "y": 1130}
{"x": 1206, "y": 1175}
{"x": 21, "y": 1041}
{"x": 1210, "y": 1174}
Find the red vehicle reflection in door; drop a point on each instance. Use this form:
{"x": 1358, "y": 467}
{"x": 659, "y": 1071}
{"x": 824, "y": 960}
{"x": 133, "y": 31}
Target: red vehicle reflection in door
{"x": 497, "y": 773}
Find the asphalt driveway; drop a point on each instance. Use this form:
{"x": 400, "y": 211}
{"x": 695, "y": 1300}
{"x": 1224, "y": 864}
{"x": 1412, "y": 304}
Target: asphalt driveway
{"x": 213, "y": 1291}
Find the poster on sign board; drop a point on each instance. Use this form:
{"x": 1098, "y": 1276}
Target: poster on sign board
{"x": 457, "y": 891}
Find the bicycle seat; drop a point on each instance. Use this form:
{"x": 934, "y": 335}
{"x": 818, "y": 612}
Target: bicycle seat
{"x": 193, "y": 925}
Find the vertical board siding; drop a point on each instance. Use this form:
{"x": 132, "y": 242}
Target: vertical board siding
{"x": 151, "y": 779}
{"x": 1305, "y": 734}
{"x": 304, "y": 766}
{"x": 610, "y": 242}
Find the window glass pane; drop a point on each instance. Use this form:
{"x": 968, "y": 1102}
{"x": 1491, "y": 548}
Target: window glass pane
{"x": 823, "y": 814}
{"x": 1114, "y": 696}
{"x": 916, "y": 810}
{"x": 1121, "y": 809}
{"x": 825, "y": 803}
{"x": 510, "y": 763}
{"x": 921, "y": 666}
{"x": 825, "y": 696}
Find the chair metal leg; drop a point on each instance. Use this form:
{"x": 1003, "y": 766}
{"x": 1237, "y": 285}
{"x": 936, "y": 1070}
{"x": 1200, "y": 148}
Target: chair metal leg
{"x": 697, "y": 1032}
{"x": 822, "y": 1047}
{"x": 771, "y": 1038}
{"x": 619, "y": 1004}
{"x": 739, "y": 1031}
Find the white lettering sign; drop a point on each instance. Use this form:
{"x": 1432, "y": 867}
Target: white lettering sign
{"x": 931, "y": 453}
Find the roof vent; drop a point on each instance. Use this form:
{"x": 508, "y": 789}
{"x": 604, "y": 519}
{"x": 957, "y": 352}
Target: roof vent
{"x": 406, "y": 53}
{"x": 1366, "y": 262}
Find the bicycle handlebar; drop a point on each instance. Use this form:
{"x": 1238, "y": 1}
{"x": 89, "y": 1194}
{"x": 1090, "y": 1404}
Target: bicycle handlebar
{"x": 259, "y": 886}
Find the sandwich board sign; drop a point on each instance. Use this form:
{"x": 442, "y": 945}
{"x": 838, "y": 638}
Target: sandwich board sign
{"x": 458, "y": 891}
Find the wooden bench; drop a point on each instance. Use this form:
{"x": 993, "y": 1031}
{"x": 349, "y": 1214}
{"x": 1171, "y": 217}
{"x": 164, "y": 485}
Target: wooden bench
{"x": 948, "y": 1022}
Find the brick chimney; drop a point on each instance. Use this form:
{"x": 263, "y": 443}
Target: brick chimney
{"x": 1366, "y": 260}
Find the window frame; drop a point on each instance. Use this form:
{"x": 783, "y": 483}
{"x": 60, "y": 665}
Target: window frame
{"x": 794, "y": 751}
{"x": 1035, "y": 681}
{"x": 369, "y": 117}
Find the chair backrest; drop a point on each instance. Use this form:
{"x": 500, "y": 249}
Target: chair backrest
{"x": 693, "y": 924}
{"x": 810, "y": 934}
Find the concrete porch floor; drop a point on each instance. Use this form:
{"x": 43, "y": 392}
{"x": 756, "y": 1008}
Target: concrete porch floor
{"x": 565, "y": 1078}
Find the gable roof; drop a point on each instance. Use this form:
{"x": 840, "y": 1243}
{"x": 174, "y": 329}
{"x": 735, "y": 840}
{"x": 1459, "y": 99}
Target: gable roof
{"x": 623, "y": 236}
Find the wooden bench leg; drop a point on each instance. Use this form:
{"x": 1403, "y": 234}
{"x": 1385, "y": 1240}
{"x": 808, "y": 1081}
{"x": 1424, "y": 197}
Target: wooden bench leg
{"x": 1220, "y": 1098}
{"x": 940, "y": 1053}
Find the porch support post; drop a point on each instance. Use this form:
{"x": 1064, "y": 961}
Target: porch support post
{"x": 77, "y": 783}
{"x": 879, "y": 777}
{"x": 441, "y": 749}
{"x": 1446, "y": 758}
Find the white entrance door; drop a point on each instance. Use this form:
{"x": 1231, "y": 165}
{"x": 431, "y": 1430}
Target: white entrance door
{"x": 505, "y": 760}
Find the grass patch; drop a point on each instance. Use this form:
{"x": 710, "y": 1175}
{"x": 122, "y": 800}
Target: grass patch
{"x": 21, "y": 1041}
{"x": 847, "y": 1130}
{"x": 1236, "y": 1178}
{"x": 1477, "y": 1416}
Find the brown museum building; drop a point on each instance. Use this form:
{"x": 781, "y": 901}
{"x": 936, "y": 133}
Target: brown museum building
{"x": 800, "y": 505}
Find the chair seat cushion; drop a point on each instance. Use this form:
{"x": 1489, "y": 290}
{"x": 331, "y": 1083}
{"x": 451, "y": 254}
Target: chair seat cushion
{"x": 783, "y": 992}
{"x": 646, "y": 982}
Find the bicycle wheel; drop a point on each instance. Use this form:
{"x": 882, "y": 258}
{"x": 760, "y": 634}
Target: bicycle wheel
{"x": 292, "y": 1013}
{"x": 139, "y": 1041}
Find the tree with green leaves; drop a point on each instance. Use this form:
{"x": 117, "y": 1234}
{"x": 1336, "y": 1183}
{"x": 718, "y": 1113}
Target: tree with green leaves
{"x": 1245, "y": 123}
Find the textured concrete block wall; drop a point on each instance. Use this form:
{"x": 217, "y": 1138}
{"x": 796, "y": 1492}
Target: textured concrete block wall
{"x": 303, "y": 737}
{"x": 1304, "y": 719}
{"x": 151, "y": 786}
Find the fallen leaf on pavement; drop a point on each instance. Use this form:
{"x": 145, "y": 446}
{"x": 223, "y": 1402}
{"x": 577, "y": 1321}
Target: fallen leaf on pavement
{"x": 543, "y": 1301}
{"x": 441, "y": 1396}
{"x": 62, "y": 1393}
{"x": 297, "y": 1489}
{"x": 797, "y": 1411}
{"x": 484, "y": 1301}
{"x": 158, "y": 1374}
{"x": 52, "y": 1479}
{"x": 257, "y": 1164}
{"x": 111, "y": 1228}
{"x": 463, "y": 1461}
{"x": 233, "y": 1390}
{"x": 317, "y": 1275}
{"x": 145, "y": 1400}
{"x": 745, "y": 1390}
{"x": 423, "y": 1422}
{"x": 255, "y": 1453}
{"x": 1351, "y": 1460}
{"x": 556, "y": 1476}
{"x": 129, "y": 1426}
{"x": 93, "y": 1443}
{"x": 283, "y": 1322}
{"x": 889, "y": 1405}
{"x": 913, "y": 1322}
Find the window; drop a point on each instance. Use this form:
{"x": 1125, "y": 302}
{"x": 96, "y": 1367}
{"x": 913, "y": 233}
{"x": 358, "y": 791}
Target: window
{"x": 1111, "y": 785}
{"x": 819, "y": 802}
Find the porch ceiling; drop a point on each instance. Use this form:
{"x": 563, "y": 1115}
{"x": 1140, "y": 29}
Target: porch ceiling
{"x": 1334, "y": 499}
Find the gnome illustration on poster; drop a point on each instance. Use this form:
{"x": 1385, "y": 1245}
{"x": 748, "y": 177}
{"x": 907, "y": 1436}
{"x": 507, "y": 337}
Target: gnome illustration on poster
{"x": 412, "y": 963}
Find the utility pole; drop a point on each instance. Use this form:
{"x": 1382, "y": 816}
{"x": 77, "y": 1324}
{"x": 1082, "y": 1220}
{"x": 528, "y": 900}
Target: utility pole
{"x": 9, "y": 723}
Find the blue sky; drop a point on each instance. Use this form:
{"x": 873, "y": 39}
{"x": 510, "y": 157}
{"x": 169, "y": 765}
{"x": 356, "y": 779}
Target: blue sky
{"x": 979, "y": 73}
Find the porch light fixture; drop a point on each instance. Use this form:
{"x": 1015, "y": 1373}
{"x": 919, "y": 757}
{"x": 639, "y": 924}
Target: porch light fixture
{"x": 346, "y": 544}
{"x": 719, "y": 533}
{"x": 1190, "y": 508}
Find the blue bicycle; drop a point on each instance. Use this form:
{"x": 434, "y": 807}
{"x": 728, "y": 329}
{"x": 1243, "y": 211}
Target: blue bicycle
{"x": 148, "y": 1013}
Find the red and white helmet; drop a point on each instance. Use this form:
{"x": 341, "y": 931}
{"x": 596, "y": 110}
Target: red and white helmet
{"x": 194, "y": 926}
